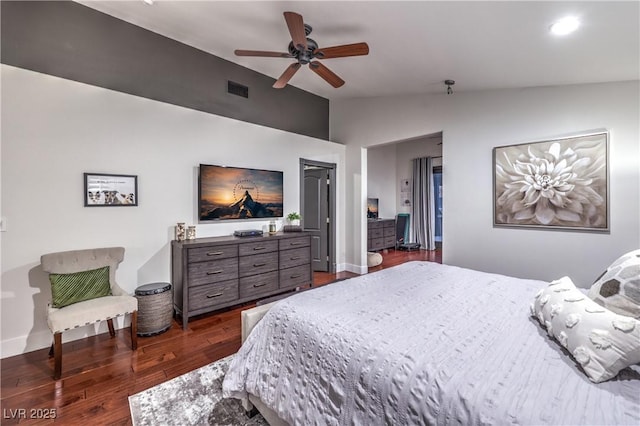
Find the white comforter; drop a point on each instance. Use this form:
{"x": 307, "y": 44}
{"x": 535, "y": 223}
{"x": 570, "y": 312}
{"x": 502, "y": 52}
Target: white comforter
{"x": 421, "y": 343}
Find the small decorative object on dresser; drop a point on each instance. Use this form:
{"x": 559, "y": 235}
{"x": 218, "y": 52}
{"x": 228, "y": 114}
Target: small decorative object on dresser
{"x": 292, "y": 228}
{"x": 191, "y": 233}
{"x": 213, "y": 273}
{"x": 180, "y": 231}
{"x": 293, "y": 218}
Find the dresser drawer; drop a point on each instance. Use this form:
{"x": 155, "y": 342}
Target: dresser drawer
{"x": 389, "y": 241}
{"x": 376, "y": 243}
{"x": 204, "y": 254}
{"x": 213, "y": 271}
{"x": 294, "y": 257}
{"x": 258, "y": 285}
{"x": 389, "y": 231}
{"x": 375, "y": 233}
{"x": 258, "y": 247}
{"x": 210, "y": 295}
{"x": 290, "y": 243}
{"x": 293, "y": 277}
{"x": 259, "y": 263}
{"x": 374, "y": 224}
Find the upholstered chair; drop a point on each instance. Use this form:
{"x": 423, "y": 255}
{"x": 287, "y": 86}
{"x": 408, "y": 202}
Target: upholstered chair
{"x": 70, "y": 269}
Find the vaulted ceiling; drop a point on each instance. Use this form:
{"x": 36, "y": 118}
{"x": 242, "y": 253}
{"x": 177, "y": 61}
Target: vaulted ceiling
{"x": 414, "y": 45}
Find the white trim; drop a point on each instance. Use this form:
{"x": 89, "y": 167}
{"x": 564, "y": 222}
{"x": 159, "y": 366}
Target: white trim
{"x": 360, "y": 270}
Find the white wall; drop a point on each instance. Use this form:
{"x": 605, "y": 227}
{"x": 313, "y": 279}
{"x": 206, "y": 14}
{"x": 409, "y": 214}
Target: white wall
{"x": 475, "y": 122}
{"x": 53, "y": 130}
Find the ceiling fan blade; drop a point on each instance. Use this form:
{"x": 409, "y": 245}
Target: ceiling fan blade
{"x": 355, "y": 49}
{"x": 286, "y": 76}
{"x": 296, "y": 29}
{"x": 324, "y": 72}
{"x": 262, "y": 53}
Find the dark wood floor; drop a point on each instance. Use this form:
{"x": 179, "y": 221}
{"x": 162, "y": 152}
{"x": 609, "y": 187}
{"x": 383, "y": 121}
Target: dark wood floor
{"x": 99, "y": 373}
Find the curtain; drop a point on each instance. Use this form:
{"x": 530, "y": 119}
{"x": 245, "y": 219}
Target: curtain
{"x": 423, "y": 206}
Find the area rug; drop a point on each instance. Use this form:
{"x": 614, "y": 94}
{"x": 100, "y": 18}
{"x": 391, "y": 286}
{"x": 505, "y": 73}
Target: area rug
{"x": 195, "y": 398}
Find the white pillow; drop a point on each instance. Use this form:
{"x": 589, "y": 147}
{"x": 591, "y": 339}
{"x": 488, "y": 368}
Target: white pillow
{"x": 618, "y": 288}
{"x": 602, "y": 341}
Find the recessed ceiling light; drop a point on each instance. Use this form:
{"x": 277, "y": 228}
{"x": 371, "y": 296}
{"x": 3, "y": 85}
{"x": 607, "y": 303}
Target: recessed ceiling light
{"x": 565, "y": 26}
{"x": 149, "y": 2}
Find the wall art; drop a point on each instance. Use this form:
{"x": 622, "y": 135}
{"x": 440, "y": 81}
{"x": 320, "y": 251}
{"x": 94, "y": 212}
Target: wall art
{"x": 107, "y": 190}
{"x": 555, "y": 184}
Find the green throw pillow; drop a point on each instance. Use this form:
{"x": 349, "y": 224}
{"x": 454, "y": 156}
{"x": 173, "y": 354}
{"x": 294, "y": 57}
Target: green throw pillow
{"x": 67, "y": 289}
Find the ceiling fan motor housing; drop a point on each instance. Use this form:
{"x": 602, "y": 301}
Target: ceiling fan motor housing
{"x": 304, "y": 56}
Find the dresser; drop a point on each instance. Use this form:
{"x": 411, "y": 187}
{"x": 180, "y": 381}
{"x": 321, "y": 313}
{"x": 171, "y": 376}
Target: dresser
{"x": 381, "y": 234}
{"x": 213, "y": 273}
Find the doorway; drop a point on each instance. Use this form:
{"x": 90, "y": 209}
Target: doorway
{"x": 318, "y": 211}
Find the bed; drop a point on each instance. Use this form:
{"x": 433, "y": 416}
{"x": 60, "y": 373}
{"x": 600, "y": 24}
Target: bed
{"x": 421, "y": 343}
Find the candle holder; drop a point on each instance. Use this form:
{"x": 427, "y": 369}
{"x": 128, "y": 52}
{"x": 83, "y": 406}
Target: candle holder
{"x": 191, "y": 233}
{"x": 180, "y": 231}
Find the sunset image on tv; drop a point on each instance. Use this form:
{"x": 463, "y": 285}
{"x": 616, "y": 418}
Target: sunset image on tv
{"x": 236, "y": 193}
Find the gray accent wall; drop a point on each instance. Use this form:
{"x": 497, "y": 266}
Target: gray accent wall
{"x": 72, "y": 41}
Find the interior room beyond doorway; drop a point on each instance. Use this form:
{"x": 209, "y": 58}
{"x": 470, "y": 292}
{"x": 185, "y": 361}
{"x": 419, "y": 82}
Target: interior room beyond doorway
{"x": 389, "y": 177}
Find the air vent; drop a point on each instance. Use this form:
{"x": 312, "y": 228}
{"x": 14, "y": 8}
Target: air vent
{"x": 237, "y": 89}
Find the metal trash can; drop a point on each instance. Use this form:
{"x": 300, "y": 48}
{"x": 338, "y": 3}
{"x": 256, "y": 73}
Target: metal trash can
{"x": 155, "y": 308}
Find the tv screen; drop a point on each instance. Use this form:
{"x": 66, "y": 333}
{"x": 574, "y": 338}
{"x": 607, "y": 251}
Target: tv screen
{"x": 372, "y": 208}
{"x": 237, "y": 193}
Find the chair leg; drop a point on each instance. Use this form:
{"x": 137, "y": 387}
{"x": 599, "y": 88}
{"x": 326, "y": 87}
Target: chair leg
{"x": 134, "y": 330}
{"x": 57, "y": 353}
{"x": 51, "y": 351}
{"x": 112, "y": 332}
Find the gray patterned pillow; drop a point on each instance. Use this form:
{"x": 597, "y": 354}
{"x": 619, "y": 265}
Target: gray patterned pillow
{"x": 618, "y": 288}
{"x": 601, "y": 341}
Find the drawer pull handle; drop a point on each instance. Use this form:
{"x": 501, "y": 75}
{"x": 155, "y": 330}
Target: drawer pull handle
{"x": 259, "y": 248}
{"x": 296, "y": 276}
{"x": 259, "y": 285}
{"x": 211, "y": 296}
{"x": 295, "y": 258}
{"x": 256, "y": 265}
{"x": 215, "y": 253}
{"x": 219, "y": 271}
{"x": 295, "y": 244}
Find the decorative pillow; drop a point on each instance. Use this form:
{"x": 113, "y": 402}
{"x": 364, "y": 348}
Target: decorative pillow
{"x": 602, "y": 341}
{"x": 618, "y": 288}
{"x": 67, "y": 289}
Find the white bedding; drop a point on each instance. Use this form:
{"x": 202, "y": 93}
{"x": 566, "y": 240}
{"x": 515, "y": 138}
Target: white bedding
{"x": 421, "y": 343}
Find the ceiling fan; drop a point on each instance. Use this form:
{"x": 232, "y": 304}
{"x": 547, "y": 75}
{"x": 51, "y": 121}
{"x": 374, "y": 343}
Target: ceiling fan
{"x": 306, "y": 51}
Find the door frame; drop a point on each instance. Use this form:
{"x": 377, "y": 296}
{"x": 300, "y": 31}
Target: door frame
{"x": 331, "y": 167}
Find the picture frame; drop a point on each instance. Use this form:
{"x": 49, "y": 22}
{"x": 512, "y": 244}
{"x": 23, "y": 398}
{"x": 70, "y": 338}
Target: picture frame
{"x": 110, "y": 190}
{"x": 560, "y": 183}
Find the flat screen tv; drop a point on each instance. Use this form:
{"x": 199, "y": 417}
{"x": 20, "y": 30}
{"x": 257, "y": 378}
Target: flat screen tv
{"x": 372, "y": 208}
{"x": 226, "y": 193}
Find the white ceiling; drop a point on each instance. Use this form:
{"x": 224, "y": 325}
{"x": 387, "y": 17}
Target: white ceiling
{"x": 414, "y": 45}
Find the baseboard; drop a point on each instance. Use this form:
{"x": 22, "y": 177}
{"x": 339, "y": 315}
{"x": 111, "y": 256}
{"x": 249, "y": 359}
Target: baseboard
{"x": 356, "y": 269}
{"x": 42, "y": 339}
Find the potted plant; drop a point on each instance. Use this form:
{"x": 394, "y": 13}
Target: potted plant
{"x": 293, "y": 218}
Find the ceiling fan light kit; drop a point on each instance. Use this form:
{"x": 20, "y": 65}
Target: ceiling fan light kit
{"x": 306, "y": 51}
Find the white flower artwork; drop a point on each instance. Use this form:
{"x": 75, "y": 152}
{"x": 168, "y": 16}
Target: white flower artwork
{"x": 560, "y": 183}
